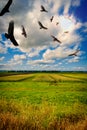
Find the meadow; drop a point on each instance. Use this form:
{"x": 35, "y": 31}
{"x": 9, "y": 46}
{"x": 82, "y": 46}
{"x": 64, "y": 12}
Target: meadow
{"x": 43, "y": 101}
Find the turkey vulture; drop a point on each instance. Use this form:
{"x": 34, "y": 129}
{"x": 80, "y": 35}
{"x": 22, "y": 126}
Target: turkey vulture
{"x": 57, "y": 23}
{"x": 51, "y": 18}
{"x": 23, "y": 31}
{"x": 66, "y": 32}
{"x": 55, "y": 39}
{"x": 6, "y": 8}
{"x": 41, "y": 26}
{"x": 43, "y": 9}
{"x": 74, "y": 54}
{"x": 10, "y": 34}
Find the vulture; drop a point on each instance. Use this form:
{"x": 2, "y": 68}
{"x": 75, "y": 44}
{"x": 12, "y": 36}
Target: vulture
{"x": 10, "y": 34}
{"x": 41, "y": 25}
{"x": 43, "y": 9}
{"x": 6, "y": 8}
{"x": 23, "y": 31}
{"x": 66, "y": 32}
{"x": 57, "y": 23}
{"x": 74, "y": 54}
{"x": 55, "y": 39}
{"x": 51, "y": 18}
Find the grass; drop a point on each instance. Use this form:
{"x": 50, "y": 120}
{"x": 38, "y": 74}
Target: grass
{"x": 43, "y": 101}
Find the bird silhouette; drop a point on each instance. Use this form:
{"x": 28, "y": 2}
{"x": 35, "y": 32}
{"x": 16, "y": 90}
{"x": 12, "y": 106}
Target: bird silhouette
{"x": 41, "y": 25}
{"x": 43, "y": 9}
{"x": 6, "y": 8}
{"x": 23, "y": 31}
{"x": 51, "y": 18}
{"x": 55, "y": 39}
{"x": 74, "y": 54}
{"x": 66, "y": 32}
{"x": 57, "y": 23}
{"x": 10, "y": 34}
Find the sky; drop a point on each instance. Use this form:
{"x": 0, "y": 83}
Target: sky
{"x": 38, "y": 51}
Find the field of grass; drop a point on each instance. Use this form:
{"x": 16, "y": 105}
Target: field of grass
{"x": 43, "y": 101}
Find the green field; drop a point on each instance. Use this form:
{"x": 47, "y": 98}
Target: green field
{"x": 43, "y": 101}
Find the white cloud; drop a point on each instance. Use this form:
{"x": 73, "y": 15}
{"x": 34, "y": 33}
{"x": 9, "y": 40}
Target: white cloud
{"x": 76, "y": 2}
{"x": 74, "y": 59}
{"x": 2, "y": 58}
{"x": 28, "y": 14}
{"x": 42, "y": 61}
{"x": 59, "y": 52}
{"x": 17, "y": 59}
{"x": 30, "y": 17}
{"x": 80, "y": 68}
{"x": 3, "y": 49}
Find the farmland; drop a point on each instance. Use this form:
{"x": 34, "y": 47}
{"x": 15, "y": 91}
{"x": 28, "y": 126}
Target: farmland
{"x": 43, "y": 101}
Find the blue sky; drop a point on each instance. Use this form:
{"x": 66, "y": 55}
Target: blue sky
{"x": 38, "y": 51}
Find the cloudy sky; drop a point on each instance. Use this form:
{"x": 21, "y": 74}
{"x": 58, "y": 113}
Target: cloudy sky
{"x": 38, "y": 51}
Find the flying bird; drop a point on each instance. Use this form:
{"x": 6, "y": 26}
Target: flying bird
{"x": 55, "y": 39}
{"x": 74, "y": 54}
{"x": 51, "y": 18}
{"x": 10, "y": 34}
{"x": 23, "y": 31}
{"x": 66, "y": 32}
{"x": 57, "y": 23}
{"x": 6, "y": 8}
{"x": 41, "y": 25}
{"x": 43, "y": 9}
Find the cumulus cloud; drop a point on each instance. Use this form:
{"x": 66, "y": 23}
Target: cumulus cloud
{"x": 28, "y": 13}
{"x": 3, "y": 49}
{"x": 2, "y": 58}
{"x": 74, "y": 59}
{"x": 76, "y": 3}
{"x": 58, "y": 53}
{"x": 80, "y": 68}
{"x": 42, "y": 61}
{"x": 17, "y": 59}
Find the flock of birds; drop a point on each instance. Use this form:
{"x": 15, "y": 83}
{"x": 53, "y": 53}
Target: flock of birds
{"x": 10, "y": 34}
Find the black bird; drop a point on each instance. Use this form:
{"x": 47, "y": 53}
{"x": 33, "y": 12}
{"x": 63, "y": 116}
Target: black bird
{"x": 51, "y": 18}
{"x": 57, "y": 23}
{"x": 55, "y": 39}
{"x": 43, "y": 9}
{"x": 23, "y": 31}
{"x": 66, "y": 32}
{"x": 10, "y": 34}
{"x": 6, "y": 8}
{"x": 74, "y": 54}
{"x": 41, "y": 26}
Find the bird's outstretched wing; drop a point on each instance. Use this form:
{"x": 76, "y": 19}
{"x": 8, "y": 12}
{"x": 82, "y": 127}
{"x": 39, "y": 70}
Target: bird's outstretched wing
{"x": 43, "y": 9}
{"x": 23, "y": 31}
{"x": 10, "y": 34}
{"x": 12, "y": 38}
{"x": 57, "y": 23}
{"x": 41, "y": 25}
{"x": 74, "y": 54}
{"x": 6, "y": 8}
{"x": 51, "y": 19}
{"x": 11, "y": 28}
{"x": 55, "y": 39}
{"x": 66, "y": 32}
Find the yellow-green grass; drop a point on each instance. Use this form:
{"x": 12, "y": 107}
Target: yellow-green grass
{"x": 49, "y": 104}
{"x": 16, "y": 77}
{"x": 23, "y": 116}
{"x": 45, "y": 77}
{"x": 76, "y": 75}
